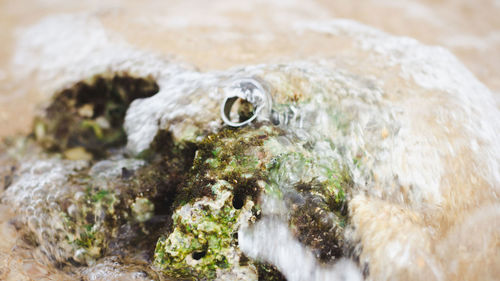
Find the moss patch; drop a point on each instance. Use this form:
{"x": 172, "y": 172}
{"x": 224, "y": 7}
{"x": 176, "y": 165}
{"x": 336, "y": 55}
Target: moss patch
{"x": 203, "y": 240}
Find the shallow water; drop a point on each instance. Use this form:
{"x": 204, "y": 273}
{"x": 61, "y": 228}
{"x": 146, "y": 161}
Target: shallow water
{"x": 425, "y": 127}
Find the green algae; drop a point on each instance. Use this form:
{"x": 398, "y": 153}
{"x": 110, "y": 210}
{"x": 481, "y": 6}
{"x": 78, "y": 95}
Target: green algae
{"x": 202, "y": 242}
{"x": 104, "y": 202}
{"x": 87, "y": 221}
{"x": 235, "y": 156}
{"x": 219, "y": 180}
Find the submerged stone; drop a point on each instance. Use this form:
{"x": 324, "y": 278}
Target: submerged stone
{"x": 181, "y": 203}
{"x": 189, "y": 196}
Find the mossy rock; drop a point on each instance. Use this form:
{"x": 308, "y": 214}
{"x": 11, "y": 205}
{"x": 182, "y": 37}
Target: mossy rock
{"x": 184, "y": 204}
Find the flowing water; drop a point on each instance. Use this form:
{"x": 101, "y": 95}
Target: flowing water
{"x": 415, "y": 129}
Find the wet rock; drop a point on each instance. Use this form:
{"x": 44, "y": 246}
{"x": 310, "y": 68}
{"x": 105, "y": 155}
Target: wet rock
{"x": 189, "y": 196}
{"x": 185, "y": 196}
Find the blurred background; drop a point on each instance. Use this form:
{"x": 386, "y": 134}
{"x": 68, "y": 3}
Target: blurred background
{"x": 220, "y": 34}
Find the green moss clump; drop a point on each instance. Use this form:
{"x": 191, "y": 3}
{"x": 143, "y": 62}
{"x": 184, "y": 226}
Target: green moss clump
{"x": 203, "y": 240}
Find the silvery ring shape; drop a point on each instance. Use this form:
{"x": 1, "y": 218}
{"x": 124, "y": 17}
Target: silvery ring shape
{"x": 252, "y": 91}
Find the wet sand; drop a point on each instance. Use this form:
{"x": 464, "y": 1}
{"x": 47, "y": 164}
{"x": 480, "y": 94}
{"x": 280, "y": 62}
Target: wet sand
{"x": 223, "y": 34}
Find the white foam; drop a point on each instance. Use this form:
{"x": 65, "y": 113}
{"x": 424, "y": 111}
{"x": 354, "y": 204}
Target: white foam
{"x": 270, "y": 240}
{"x": 64, "y": 49}
{"x": 35, "y": 196}
{"x": 466, "y": 100}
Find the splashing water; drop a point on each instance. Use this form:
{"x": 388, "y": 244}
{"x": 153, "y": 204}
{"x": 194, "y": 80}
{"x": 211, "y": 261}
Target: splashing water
{"x": 415, "y": 130}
